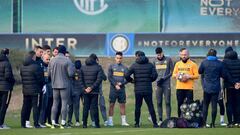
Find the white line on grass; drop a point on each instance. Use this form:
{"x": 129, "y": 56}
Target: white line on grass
{"x": 61, "y": 134}
{"x": 122, "y": 131}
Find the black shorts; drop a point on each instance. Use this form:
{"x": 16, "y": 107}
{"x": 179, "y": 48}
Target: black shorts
{"x": 120, "y": 96}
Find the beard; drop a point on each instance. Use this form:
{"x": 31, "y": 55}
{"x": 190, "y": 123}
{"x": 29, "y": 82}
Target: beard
{"x": 160, "y": 58}
{"x": 184, "y": 60}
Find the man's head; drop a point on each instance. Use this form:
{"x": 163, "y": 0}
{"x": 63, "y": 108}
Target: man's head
{"x": 228, "y": 49}
{"x": 46, "y": 58}
{"x": 55, "y": 51}
{"x": 94, "y": 57}
{"x": 139, "y": 53}
{"x": 118, "y": 57}
{"x": 39, "y": 51}
{"x": 159, "y": 52}
{"x": 184, "y": 54}
{"x": 212, "y": 52}
{"x": 32, "y": 54}
{"x": 67, "y": 54}
{"x": 62, "y": 49}
{"x": 46, "y": 49}
{"x": 78, "y": 64}
{"x": 5, "y": 51}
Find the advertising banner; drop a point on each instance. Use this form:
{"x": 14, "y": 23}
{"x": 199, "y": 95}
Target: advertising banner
{"x": 201, "y": 16}
{"x": 90, "y": 16}
{"x": 81, "y": 45}
{"x": 6, "y": 16}
{"x": 77, "y": 44}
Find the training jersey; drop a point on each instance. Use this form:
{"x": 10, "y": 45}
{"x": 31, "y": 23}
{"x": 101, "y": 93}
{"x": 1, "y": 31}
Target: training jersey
{"x": 190, "y": 68}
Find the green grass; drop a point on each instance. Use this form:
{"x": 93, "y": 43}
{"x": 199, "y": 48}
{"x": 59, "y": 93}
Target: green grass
{"x": 121, "y": 131}
{"x": 13, "y": 116}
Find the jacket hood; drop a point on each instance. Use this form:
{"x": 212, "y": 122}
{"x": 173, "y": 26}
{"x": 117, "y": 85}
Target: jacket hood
{"x": 3, "y": 57}
{"x": 28, "y": 61}
{"x": 212, "y": 58}
{"x": 142, "y": 60}
{"x": 78, "y": 64}
{"x": 232, "y": 55}
{"x": 90, "y": 61}
{"x": 228, "y": 49}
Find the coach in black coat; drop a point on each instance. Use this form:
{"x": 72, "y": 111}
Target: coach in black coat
{"x": 92, "y": 78}
{"x": 6, "y": 85}
{"x": 232, "y": 64}
{"x": 6, "y": 76}
{"x": 32, "y": 82}
{"x": 144, "y": 74}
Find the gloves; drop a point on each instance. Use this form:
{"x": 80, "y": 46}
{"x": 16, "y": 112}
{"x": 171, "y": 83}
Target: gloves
{"x": 160, "y": 82}
{"x": 44, "y": 89}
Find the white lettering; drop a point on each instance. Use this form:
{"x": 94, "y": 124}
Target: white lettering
{"x": 203, "y": 11}
{"x": 204, "y": 2}
{"x": 49, "y": 41}
{"x": 72, "y": 42}
{"x": 229, "y": 2}
{"x": 59, "y": 41}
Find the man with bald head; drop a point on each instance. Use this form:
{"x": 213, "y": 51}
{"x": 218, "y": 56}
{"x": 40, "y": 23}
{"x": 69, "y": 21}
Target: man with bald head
{"x": 47, "y": 99}
{"x": 185, "y": 72}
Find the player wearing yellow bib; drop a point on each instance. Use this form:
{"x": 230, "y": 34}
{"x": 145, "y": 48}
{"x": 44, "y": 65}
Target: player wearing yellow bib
{"x": 164, "y": 67}
{"x": 116, "y": 73}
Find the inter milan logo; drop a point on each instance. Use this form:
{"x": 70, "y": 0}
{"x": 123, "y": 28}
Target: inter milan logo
{"x": 91, "y": 7}
{"x": 120, "y": 43}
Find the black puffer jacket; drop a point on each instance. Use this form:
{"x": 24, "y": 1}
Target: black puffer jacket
{"x": 232, "y": 63}
{"x": 144, "y": 74}
{"x": 93, "y": 75}
{"x": 32, "y": 77}
{"x": 6, "y": 76}
{"x": 78, "y": 82}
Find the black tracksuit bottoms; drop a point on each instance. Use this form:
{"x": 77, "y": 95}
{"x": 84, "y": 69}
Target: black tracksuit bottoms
{"x": 138, "y": 104}
{"x": 29, "y": 101}
{"x": 90, "y": 101}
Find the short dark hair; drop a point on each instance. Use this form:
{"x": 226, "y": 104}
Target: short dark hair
{"x": 62, "y": 49}
{"x": 5, "y": 51}
{"x": 78, "y": 64}
{"x": 139, "y": 53}
{"x": 212, "y": 52}
{"x": 38, "y": 47}
{"x": 55, "y": 48}
{"x": 93, "y": 56}
{"x": 182, "y": 49}
{"x": 31, "y": 54}
{"x": 136, "y": 53}
{"x": 46, "y": 47}
{"x": 119, "y": 53}
{"x": 158, "y": 50}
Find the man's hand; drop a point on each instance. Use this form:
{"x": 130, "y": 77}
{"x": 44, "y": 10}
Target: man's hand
{"x": 120, "y": 84}
{"x": 44, "y": 89}
{"x": 88, "y": 89}
{"x": 177, "y": 76}
{"x": 237, "y": 86}
{"x": 186, "y": 77}
{"x": 117, "y": 87}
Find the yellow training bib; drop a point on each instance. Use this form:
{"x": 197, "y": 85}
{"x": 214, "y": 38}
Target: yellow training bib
{"x": 118, "y": 73}
{"x": 161, "y": 66}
